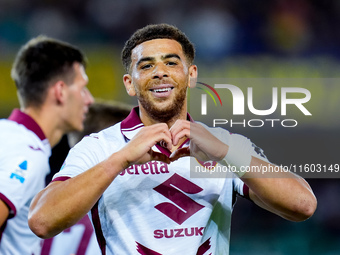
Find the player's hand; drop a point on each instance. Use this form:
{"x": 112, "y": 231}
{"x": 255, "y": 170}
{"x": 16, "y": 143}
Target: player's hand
{"x": 139, "y": 149}
{"x": 203, "y": 145}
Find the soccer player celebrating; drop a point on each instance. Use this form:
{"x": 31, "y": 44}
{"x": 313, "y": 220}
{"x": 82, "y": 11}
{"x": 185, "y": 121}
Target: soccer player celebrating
{"x": 134, "y": 177}
{"x": 51, "y": 83}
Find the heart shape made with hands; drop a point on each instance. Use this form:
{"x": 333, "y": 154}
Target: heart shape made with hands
{"x": 204, "y": 146}
{"x": 201, "y": 157}
{"x": 178, "y": 153}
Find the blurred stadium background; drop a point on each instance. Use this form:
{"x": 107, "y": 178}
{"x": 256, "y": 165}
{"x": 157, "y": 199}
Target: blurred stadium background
{"x": 237, "y": 39}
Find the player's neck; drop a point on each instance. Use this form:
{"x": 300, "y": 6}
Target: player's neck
{"x": 147, "y": 120}
{"x": 47, "y": 122}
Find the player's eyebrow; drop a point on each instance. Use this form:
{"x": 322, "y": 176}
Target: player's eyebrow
{"x": 146, "y": 59}
{"x": 172, "y": 55}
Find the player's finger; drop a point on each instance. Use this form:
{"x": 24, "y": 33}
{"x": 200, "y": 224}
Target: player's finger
{"x": 159, "y": 157}
{"x": 183, "y": 133}
{"x": 179, "y": 130}
{"x": 158, "y": 133}
{"x": 179, "y": 153}
{"x": 179, "y": 125}
{"x": 165, "y": 140}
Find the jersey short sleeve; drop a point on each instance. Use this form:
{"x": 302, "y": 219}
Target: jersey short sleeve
{"x": 22, "y": 173}
{"x": 24, "y": 154}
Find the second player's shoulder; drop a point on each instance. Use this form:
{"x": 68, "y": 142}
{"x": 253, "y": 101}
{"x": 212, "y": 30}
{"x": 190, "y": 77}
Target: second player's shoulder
{"x": 13, "y": 131}
{"x": 17, "y": 139}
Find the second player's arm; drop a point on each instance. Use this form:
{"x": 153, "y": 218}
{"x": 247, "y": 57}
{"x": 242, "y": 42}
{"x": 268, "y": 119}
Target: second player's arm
{"x": 4, "y": 212}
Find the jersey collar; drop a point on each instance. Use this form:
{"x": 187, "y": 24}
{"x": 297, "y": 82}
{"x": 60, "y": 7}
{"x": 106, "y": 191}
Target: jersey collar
{"x": 24, "y": 119}
{"x": 131, "y": 125}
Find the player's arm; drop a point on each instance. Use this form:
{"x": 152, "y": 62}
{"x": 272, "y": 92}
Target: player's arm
{"x": 283, "y": 193}
{"x": 63, "y": 203}
{"x": 4, "y": 212}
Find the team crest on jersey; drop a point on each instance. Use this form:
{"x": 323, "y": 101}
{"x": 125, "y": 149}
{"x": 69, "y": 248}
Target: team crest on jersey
{"x": 20, "y": 172}
{"x": 173, "y": 189}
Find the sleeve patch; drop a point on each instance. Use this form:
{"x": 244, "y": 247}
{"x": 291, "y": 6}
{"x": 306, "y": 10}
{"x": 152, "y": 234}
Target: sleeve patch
{"x": 20, "y": 172}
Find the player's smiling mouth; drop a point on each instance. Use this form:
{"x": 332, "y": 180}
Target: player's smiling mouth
{"x": 161, "y": 90}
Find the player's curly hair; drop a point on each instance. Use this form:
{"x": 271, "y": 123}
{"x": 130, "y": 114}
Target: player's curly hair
{"x": 157, "y": 31}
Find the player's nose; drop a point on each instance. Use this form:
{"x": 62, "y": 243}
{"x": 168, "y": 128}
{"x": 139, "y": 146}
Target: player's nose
{"x": 160, "y": 71}
{"x": 88, "y": 97}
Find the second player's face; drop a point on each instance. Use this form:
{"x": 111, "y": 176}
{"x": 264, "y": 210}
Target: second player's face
{"x": 78, "y": 100}
{"x": 160, "y": 76}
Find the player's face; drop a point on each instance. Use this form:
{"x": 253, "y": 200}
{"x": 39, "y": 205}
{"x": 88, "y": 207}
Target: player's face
{"x": 159, "y": 77}
{"x": 78, "y": 100}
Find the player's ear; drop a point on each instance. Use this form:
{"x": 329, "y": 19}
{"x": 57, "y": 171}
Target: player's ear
{"x": 130, "y": 89}
{"x": 59, "y": 91}
{"x": 192, "y": 76}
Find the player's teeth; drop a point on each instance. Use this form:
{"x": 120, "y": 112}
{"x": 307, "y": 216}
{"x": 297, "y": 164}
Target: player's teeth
{"x": 162, "y": 90}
